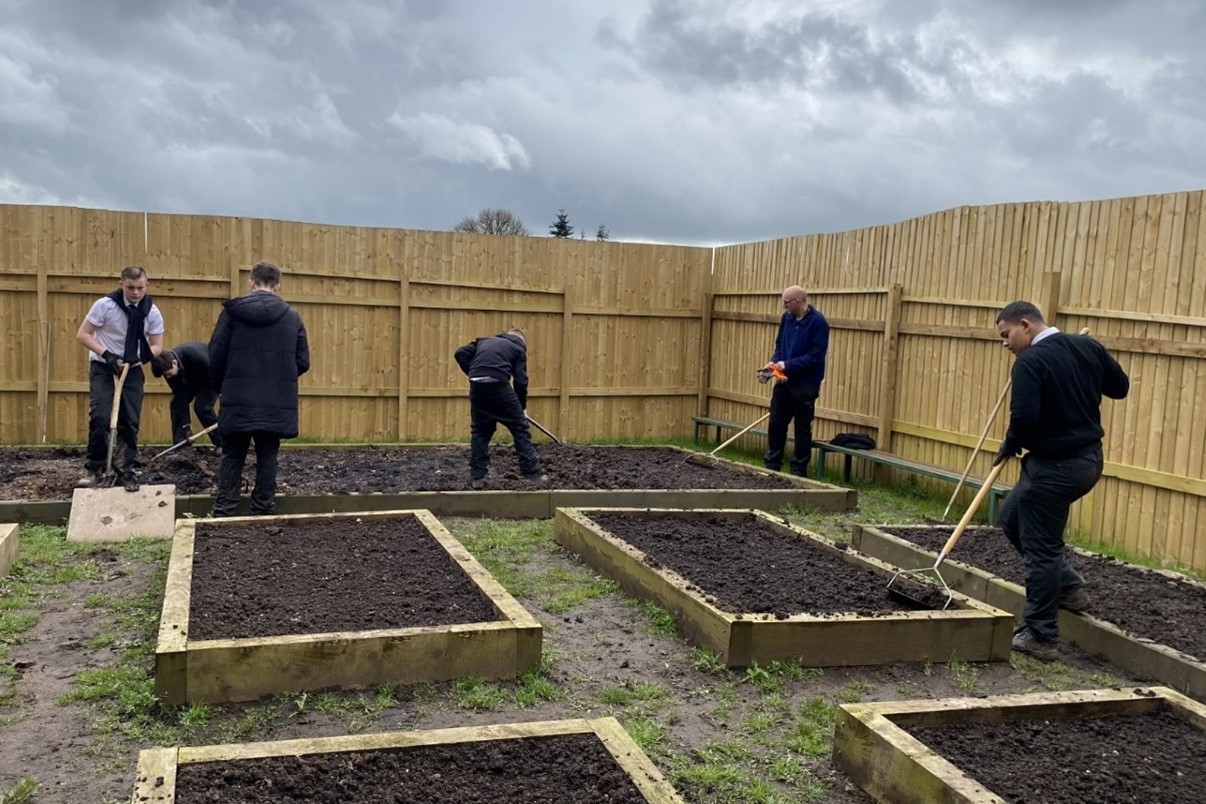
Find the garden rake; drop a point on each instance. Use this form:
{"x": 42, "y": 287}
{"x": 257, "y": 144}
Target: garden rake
{"x": 182, "y": 442}
{"x": 764, "y": 375}
{"x": 909, "y": 598}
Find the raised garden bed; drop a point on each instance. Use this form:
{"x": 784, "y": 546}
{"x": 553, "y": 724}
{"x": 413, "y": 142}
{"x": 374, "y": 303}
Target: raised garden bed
{"x": 1148, "y": 622}
{"x": 36, "y": 482}
{"x": 752, "y": 588}
{"x": 1144, "y": 745}
{"x": 259, "y": 605}
{"x": 569, "y": 760}
{"x": 9, "y": 543}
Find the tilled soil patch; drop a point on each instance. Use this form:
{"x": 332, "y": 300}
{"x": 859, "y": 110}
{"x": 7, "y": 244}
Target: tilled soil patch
{"x": 1149, "y": 604}
{"x": 308, "y": 577}
{"x": 534, "y": 770}
{"x": 1140, "y": 758}
{"x": 745, "y": 567}
{"x": 50, "y": 474}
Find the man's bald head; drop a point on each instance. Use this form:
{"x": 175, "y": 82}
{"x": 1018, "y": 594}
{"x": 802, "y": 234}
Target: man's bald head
{"x": 795, "y": 300}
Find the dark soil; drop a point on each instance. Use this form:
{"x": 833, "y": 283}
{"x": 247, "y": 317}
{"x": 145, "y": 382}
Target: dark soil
{"x": 50, "y": 474}
{"x": 742, "y": 566}
{"x": 1142, "y": 602}
{"x": 306, "y": 577}
{"x": 544, "y": 770}
{"x": 1139, "y": 758}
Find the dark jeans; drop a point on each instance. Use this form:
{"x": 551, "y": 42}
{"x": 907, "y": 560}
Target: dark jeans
{"x": 788, "y": 403}
{"x": 1033, "y": 518}
{"x": 100, "y": 405}
{"x": 230, "y": 475}
{"x": 491, "y": 404}
{"x": 203, "y": 403}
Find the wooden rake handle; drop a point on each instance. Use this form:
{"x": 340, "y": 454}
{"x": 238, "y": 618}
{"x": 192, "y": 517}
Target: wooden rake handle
{"x": 741, "y": 432}
{"x": 117, "y": 386}
{"x": 971, "y": 511}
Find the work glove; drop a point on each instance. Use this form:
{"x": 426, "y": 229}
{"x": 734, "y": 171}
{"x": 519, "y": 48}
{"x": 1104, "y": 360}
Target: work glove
{"x": 1006, "y": 452}
{"x": 112, "y": 361}
{"x": 764, "y": 375}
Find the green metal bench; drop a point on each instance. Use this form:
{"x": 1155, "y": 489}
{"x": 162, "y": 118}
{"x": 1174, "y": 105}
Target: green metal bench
{"x": 995, "y": 496}
{"x": 823, "y": 448}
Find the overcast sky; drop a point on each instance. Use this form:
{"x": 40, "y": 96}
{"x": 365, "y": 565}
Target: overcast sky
{"x": 665, "y": 120}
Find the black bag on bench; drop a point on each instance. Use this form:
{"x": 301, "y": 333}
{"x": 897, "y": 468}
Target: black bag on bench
{"x": 853, "y": 441}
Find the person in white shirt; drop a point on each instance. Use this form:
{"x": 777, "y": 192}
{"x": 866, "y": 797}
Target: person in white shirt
{"x": 123, "y": 327}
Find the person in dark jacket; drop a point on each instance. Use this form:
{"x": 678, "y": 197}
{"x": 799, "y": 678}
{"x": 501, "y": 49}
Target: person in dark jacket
{"x": 1055, "y": 414}
{"x": 491, "y": 364}
{"x": 256, "y": 353}
{"x": 801, "y": 345}
{"x": 186, "y": 369}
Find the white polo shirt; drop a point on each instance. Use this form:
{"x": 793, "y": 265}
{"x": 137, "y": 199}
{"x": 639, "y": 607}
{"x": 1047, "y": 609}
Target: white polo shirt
{"x": 111, "y": 325}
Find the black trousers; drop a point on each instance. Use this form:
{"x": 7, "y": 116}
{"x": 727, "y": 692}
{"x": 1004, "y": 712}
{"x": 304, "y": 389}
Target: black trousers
{"x": 101, "y": 383}
{"x": 789, "y": 403}
{"x": 1033, "y": 517}
{"x": 203, "y": 404}
{"x": 230, "y": 474}
{"x": 491, "y": 404}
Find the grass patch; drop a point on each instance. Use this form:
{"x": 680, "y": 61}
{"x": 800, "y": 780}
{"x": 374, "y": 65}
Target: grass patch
{"x": 967, "y": 676}
{"x": 661, "y": 621}
{"x": 23, "y": 792}
{"x": 645, "y": 732}
{"x": 812, "y": 734}
{"x": 470, "y": 692}
{"x": 1058, "y": 676}
{"x": 514, "y": 553}
{"x": 631, "y": 692}
{"x": 536, "y": 686}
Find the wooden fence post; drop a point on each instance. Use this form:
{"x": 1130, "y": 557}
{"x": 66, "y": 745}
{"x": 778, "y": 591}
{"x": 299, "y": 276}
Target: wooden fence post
{"x": 563, "y": 403}
{"x": 403, "y": 350}
{"x": 43, "y": 353}
{"x": 887, "y": 400}
{"x": 705, "y": 354}
{"x": 1050, "y": 296}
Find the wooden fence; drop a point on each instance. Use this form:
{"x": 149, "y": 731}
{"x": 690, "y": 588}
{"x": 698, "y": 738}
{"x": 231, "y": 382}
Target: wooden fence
{"x": 915, "y": 360}
{"x": 631, "y": 340}
{"x": 613, "y": 328}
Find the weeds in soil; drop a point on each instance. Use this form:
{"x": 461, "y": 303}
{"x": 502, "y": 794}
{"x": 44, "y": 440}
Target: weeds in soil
{"x": 706, "y": 660}
{"x": 812, "y": 734}
{"x": 967, "y": 676}
{"x": 23, "y": 792}
{"x": 648, "y": 734}
{"x": 649, "y": 693}
{"x": 727, "y": 771}
{"x": 662, "y": 622}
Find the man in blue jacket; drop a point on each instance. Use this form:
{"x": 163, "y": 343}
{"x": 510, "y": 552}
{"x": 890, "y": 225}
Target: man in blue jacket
{"x": 256, "y": 353}
{"x": 491, "y": 364}
{"x": 800, "y": 348}
{"x": 1055, "y": 414}
{"x": 186, "y": 369}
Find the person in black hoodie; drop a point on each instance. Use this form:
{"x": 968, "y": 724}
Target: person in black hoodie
{"x": 186, "y": 369}
{"x": 1055, "y": 414}
{"x": 124, "y": 327}
{"x": 256, "y": 353}
{"x": 490, "y": 364}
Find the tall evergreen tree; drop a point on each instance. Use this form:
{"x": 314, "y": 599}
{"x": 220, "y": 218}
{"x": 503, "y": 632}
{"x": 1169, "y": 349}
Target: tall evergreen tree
{"x": 561, "y": 227}
{"x": 602, "y": 233}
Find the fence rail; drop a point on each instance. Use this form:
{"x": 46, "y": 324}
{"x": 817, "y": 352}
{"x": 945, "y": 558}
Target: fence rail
{"x": 632, "y": 340}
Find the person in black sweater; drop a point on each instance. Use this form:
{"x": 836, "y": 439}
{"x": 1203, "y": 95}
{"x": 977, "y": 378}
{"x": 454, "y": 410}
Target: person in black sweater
{"x": 490, "y": 364}
{"x": 1055, "y": 414}
{"x": 186, "y": 369}
{"x": 256, "y": 353}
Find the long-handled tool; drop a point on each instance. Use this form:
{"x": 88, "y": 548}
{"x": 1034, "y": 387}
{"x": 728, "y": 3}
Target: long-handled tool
{"x": 188, "y": 440}
{"x": 117, "y": 386}
{"x": 976, "y": 450}
{"x": 541, "y": 428}
{"x": 907, "y": 597}
{"x": 710, "y": 458}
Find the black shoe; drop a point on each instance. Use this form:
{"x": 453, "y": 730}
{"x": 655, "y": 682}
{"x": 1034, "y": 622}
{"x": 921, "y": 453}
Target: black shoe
{"x": 129, "y": 482}
{"x": 1024, "y": 641}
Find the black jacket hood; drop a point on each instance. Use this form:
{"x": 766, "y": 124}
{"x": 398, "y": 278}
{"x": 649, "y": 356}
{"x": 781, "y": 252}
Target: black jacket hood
{"x": 260, "y": 308}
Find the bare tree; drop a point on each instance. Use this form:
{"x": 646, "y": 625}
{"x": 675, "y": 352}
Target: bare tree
{"x": 493, "y": 222}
